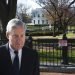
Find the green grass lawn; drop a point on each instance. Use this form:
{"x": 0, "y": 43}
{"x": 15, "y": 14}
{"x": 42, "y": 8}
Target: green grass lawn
{"x": 69, "y": 35}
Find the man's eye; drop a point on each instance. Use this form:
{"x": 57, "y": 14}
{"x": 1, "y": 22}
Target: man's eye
{"x": 15, "y": 36}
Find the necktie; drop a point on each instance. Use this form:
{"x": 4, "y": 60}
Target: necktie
{"x": 16, "y": 64}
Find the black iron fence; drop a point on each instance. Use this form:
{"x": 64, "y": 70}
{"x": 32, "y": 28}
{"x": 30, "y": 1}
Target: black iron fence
{"x": 55, "y": 52}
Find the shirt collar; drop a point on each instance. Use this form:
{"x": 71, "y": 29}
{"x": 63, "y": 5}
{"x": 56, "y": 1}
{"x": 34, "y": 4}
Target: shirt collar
{"x": 12, "y": 50}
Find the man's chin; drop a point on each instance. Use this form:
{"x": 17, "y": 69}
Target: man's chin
{"x": 19, "y": 48}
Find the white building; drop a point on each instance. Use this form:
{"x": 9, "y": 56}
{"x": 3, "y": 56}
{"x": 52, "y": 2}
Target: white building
{"x": 39, "y": 16}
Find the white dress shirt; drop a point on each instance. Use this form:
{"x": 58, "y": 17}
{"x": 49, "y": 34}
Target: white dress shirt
{"x": 12, "y": 54}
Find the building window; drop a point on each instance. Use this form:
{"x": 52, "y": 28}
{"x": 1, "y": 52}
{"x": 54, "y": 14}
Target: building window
{"x": 38, "y": 15}
{"x": 34, "y": 21}
{"x": 46, "y": 21}
{"x": 38, "y": 21}
{"x": 33, "y": 15}
{"x": 42, "y": 21}
{"x": 42, "y": 15}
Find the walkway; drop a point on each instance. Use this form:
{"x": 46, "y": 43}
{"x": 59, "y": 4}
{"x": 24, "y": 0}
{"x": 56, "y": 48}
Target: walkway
{"x": 48, "y": 73}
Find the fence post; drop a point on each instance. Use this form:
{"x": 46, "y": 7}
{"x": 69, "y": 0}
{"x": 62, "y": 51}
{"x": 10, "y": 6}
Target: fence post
{"x": 65, "y": 50}
{"x": 29, "y": 41}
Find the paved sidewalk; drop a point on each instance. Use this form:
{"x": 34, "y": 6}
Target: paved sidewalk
{"x": 48, "y": 73}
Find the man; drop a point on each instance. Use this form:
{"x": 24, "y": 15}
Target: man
{"x": 15, "y": 58}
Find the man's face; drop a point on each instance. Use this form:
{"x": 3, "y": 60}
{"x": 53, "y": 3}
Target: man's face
{"x": 17, "y": 38}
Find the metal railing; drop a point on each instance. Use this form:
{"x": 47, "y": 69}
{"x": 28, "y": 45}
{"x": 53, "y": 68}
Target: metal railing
{"x": 51, "y": 54}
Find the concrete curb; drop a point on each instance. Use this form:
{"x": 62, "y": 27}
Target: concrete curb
{"x": 61, "y": 69}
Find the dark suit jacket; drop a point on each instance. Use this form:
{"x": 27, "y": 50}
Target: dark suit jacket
{"x": 29, "y": 61}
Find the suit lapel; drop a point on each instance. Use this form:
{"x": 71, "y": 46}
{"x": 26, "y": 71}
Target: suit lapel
{"x": 8, "y": 54}
{"x": 23, "y": 61}
{"x": 22, "y": 58}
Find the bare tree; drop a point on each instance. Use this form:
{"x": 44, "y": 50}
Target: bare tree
{"x": 7, "y": 12}
{"x": 60, "y": 11}
{"x": 22, "y": 13}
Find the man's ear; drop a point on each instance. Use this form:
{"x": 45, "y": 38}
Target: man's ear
{"x": 7, "y": 35}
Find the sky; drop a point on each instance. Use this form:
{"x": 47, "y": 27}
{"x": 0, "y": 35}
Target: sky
{"x": 29, "y": 3}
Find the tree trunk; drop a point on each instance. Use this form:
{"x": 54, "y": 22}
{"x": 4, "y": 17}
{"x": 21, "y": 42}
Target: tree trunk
{"x": 7, "y": 12}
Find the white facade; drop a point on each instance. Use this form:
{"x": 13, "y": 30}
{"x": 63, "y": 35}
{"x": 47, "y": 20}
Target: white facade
{"x": 39, "y": 17}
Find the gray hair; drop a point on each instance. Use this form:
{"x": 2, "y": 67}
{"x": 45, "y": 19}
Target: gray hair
{"x": 13, "y": 23}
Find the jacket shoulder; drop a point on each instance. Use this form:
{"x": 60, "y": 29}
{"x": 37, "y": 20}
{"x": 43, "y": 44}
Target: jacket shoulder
{"x": 30, "y": 51}
{"x": 3, "y": 48}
